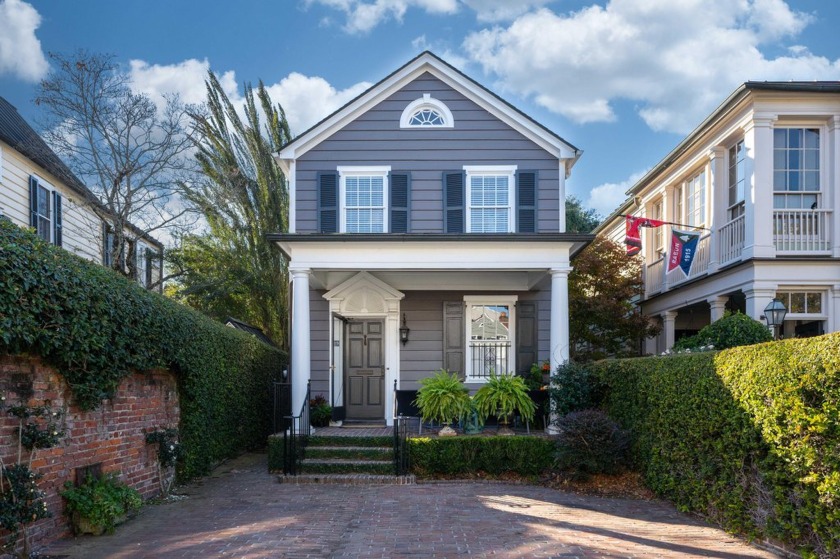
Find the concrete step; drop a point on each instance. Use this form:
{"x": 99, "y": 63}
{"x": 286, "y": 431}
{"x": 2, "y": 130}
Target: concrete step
{"x": 342, "y": 466}
{"x": 350, "y": 452}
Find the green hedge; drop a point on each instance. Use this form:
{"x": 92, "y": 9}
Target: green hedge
{"x": 471, "y": 455}
{"x": 96, "y": 328}
{"x": 749, "y": 436}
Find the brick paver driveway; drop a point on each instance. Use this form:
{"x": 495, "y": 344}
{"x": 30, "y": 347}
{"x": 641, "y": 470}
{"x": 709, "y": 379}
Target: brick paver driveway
{"x": 242, "y": 512}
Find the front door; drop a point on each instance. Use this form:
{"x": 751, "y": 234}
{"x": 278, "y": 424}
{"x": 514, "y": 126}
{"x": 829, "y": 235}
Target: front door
{"x": 365, "y": 371}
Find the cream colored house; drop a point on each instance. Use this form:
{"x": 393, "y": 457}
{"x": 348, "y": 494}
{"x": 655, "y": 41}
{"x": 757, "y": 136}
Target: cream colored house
{"x": 38, "y": 190}
{"x": 761, "y": 175}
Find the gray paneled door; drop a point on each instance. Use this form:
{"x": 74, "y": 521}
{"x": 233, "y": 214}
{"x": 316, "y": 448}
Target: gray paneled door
{"x": 365, "y": 371}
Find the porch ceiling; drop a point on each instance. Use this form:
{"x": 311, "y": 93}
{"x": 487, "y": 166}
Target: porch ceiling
{"x": 437, "y": 280}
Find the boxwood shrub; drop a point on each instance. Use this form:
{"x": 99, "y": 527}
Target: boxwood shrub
{"x": 749, "y": 436}
{"x": 96, "y": 327}
{"x": 470, "y": 455}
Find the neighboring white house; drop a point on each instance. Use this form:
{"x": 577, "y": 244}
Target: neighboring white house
{"x": 38, "y": 190}
{"x": 431, "y": 206}
{"x": 762, "y": 175}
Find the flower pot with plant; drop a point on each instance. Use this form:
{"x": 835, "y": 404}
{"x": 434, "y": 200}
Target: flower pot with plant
{"x": 442, "y": 398}
{"x": 320, "y": 412}
{"x": 502, "y": 396}
{"x": 98, "y": 505}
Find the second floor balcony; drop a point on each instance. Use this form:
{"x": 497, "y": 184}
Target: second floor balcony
{"x": 795, "y": 232}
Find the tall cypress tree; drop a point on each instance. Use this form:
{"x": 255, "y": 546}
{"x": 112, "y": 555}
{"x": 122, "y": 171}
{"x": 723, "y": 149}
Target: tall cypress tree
{"x": 232, "y": 270}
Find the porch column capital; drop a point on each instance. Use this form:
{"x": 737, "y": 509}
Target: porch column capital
{"x": 717, "y": 306}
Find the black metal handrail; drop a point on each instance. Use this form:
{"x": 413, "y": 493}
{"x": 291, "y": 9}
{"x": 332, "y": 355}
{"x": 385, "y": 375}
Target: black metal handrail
{"x": 296, "y": 437}
{"x": 402, "y": 458}
{"x": 282, "y": 406}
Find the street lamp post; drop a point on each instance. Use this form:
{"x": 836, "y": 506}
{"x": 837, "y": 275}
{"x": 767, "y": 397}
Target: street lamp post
{"x": 775, "y": 313}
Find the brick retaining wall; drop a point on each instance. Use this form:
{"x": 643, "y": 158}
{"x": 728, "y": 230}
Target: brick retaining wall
{"x": 112, "y": 435}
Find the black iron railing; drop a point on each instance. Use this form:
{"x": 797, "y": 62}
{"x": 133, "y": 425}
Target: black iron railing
{"x": 282, "y": 406}
{"x": 402, "y": 461}
{"x": 488, "y": 357}
{"x": 295, "y": 438}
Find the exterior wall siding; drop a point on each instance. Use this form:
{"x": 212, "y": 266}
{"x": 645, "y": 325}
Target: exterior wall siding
{"x": 376, "y": 138}
{"x": 319, "y": 317}
{"x": 81, "y": 226}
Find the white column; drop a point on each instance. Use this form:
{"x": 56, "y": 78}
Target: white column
{"x": 717, "y": 306}
{"x": 718, "y": 202}
{"x": 757, "y": 301}
{"x": 559, "y": 329}
{"x": 758, "y": 204}
{"x": 392, "y": 357}
{"x": 831, "y": 186}
{"x": 833, "y": 309}
{"x": 668, "y": 320}
{"x": 301, "y": 357}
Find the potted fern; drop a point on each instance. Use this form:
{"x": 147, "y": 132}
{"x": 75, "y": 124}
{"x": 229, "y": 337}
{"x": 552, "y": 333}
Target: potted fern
{"x": 502, "y": 396}
{"x": 443, "y": 398}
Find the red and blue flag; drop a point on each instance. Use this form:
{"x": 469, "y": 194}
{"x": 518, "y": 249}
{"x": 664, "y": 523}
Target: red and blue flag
{"x": 683, "y": 250}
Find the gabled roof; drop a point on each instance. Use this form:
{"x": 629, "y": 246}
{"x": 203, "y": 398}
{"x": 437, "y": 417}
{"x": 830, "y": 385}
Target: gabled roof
{"x": 253, "y": 330}
{"x": 16, "y": 132}
{"x": 729, "y": 104}
{"x": 471, "y": 89}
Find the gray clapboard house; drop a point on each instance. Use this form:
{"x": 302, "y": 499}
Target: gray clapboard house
{"x": 428, "y": 208}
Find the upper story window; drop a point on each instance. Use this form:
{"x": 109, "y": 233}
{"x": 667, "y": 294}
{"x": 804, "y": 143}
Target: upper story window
{"x": 489, "y": 199}
{"x": 427, "y": 112}
{"x": 658, "y": 232}
{"x": 737, "y": 179}
{"x": 695, "y": 200}
{"x": 45, "y": 210}
{"x": 363, "y": 192}
{"x": 796, "y": 168}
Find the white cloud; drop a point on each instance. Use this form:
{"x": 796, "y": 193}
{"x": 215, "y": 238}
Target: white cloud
{"x": 502, "y": 10}
{"x": 363, "y": 16}
{"x": 675, "y": 60}
{"x": 605, "y": 198}
{"x": 306, "y": 99}
{"x": 186, "y": 79}
{"x": 20, "y": 49}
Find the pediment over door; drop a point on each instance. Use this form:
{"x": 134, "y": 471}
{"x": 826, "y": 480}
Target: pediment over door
{"x": 364, "y": 294}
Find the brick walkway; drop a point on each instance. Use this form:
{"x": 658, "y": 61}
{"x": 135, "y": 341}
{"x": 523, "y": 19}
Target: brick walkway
{"x": 242, "y": 512}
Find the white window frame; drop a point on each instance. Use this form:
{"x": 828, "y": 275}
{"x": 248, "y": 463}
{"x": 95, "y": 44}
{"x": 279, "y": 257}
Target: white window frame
{"x": 787, "y": 291}
{"x": 489, "y": 300}
{"x": 658, "y": 233}
{"x": 427, "y": 102}
{"x": 491, "y": 170}
{"x": 372, "y": 171}
{"x": 736, "y": 208}
{"x": 822, "y": 146}
{"x": 51, "y": 199}
{"x": 694, "y": 205}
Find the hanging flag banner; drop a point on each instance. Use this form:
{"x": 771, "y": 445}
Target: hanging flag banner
{"x": 683, "y": 249}
{"x": 633, "y": 238}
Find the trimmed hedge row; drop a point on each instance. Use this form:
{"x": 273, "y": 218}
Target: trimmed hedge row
{"x": 95, "y": 328}
{"x": 469, "y": 455}
{"x": 749, "y": 436}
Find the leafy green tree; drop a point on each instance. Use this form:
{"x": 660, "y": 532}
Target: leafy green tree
{"x": 578, "y": 218}
{"x": 232, "y": 270}
{"x": 603, "y": 319}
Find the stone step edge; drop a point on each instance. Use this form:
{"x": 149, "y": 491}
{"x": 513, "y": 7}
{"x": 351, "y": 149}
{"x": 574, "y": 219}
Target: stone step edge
{"x": 382, "y": 449}
{"x": 348, "y": 479}
{"x": 344, "y": 461}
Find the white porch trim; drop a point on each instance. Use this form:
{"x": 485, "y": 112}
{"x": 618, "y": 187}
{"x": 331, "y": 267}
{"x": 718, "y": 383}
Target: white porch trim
{"x": 365, "y": 296}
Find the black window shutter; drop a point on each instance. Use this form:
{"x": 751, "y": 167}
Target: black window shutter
{"x": 453, "y": 186}
{"x": 33, "y": 202}
{"x": 526, "y": 202}
{"x": 526, "y": 335}
{"x": 328, "y": 202}
{"x": 453, "y": 336}
{"x": 57, "y": 226}
{"x": 107, "y": 245}
{"x": 400, "y": 201}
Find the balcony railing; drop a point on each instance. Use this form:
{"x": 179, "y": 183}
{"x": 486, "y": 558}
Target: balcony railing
{"x": 489, "y": 357}
{"x": 656, "y": 280}
{"x": 731, "y": 237}
{"x": 802, "y": 231}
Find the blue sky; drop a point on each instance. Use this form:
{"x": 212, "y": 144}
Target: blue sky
{"x": 624, "y": 80}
